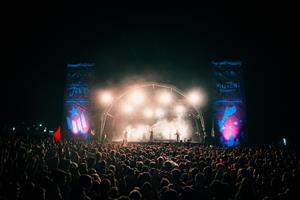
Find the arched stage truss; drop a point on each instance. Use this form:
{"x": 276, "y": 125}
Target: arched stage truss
{"x": 197, "y": 114}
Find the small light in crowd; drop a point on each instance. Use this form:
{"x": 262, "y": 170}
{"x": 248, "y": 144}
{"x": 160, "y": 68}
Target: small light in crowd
{"x": 41, "y": 125}
{"x": 14, "y": 128}
{"x": 284, "y": 141}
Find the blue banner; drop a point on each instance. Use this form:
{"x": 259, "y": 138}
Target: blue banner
{"x": 229, "y": 102}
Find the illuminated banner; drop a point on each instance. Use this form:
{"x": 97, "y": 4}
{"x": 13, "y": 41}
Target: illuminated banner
{"x": 77, "y": 98}
{"x": 229, "y": 103}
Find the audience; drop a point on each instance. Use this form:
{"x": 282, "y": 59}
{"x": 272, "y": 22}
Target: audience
{"x": 44, "y": 169}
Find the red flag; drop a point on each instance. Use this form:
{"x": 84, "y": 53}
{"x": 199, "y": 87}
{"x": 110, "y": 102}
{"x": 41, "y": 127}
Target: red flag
{"x": 57, "y": 134}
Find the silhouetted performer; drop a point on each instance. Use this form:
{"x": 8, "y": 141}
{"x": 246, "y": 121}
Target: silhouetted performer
{"x": 177, "y": 136}
{"x": 105, "y": 138}
{"x": 125, "y": 137}
{"x": 151, "y": 136}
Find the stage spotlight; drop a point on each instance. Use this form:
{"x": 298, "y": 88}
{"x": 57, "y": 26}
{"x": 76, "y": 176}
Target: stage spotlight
{"x": 106, "y": 98}
{"x": 159, "y": 112}
{"x": 180, "y": 109}
{"x": 165, "y": 98}
{"x": 148, "y": 113}
{"x": 137, "y": 97}
{"x": 127, "y": 109}
{"x": 196, "y": 98}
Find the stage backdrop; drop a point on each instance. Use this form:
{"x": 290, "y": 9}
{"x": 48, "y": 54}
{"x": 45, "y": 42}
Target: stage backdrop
{"x": 77, "y": 115}
{"x": 229, "y": 103}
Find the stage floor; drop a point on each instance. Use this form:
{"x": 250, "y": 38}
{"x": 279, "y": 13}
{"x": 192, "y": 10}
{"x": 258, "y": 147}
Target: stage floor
{"x": 156, "y": 142}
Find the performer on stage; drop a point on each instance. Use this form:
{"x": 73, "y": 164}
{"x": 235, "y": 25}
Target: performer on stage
{"x": 124, "y": 143}
{"x": 177, "y": 136}
{"x": 151, "y": 136}
{"x": 104, "y": 138}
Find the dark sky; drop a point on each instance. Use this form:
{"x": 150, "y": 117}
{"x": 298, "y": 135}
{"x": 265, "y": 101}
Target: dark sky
{"x": 174, "y": 45}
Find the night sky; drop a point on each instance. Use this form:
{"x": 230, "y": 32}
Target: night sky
{"x": 172, "y": 45}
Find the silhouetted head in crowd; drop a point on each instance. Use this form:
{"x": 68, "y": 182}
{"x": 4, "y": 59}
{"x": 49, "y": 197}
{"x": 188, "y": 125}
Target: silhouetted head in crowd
{"x": 135, "y": 195}
{"x": 169, "y": 194}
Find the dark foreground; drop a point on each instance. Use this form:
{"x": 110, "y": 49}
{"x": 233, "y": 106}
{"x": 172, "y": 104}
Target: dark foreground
{"x": 32, "y": 168}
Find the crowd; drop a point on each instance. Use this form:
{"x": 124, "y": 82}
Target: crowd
{"x": 44, "y": 169}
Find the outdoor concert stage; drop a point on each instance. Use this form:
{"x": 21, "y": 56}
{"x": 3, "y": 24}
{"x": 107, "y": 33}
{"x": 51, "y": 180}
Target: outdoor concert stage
{"x": 143, "y": 107}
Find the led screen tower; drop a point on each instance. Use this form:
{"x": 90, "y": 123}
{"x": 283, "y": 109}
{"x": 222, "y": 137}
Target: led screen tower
{"x": 77, "y": 117}
{"x": 229, "y": 103}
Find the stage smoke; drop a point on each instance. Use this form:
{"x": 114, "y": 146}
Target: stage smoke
{"x": 163, "y": 130}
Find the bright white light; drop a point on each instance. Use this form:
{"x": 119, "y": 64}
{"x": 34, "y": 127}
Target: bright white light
{"x": 138, "y": 133}
{"x": 196, "y": 98}
{"x": 106, "y": 98}
{"x": 127, "y": 108}
{"x": 284, "y": 141}
{"x": 165, "y": 98}
{"x": 165, "y": 129}
{"x": 137, "y": 97}
{"x": 41, "y": 125}
{"x": 159, "y": 112}
{"x": 14, "y": 128}
{"x": 148, "y": 113}
{"x": 162, "y": 130}
{"x": 180, "y": 109}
